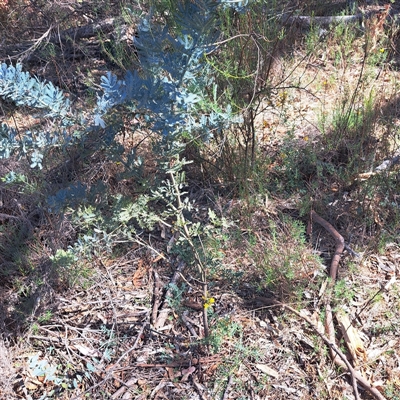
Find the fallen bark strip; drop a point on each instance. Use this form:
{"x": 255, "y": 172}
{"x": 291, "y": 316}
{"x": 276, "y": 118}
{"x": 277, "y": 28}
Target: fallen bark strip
{"x": 225, "y": 396}
{"x": 157, "y": 294}
{"x": 163, "y": 314}
{"x": 351, "y": 337}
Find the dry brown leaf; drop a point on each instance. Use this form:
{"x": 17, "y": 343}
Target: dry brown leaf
{"x": 32, "y": 383}
{"x": 267, "y": 370}
{"x": 210, "y": 371}
{"x": 138, "y": 276}
{"x": 193, "y": 305}
{"x": 186, "y": 373}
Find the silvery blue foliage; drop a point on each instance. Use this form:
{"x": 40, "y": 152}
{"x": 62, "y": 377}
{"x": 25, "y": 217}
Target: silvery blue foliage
{"x": 25, "y": 90}
{"x": 41, "y": 368}
{"x": 169, "y": 92}
{"x": 174, "y": 76}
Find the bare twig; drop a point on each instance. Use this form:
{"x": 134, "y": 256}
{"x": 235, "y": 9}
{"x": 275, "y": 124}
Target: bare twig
{"x": 351, "y": 251}
{"x": 226, "y": 391}
{"x": 34, "y": 46}
{"x": 199, "y": 262}
{"x": 156, "y": 297}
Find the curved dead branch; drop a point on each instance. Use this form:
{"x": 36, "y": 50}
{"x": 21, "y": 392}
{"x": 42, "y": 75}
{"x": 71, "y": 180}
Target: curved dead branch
{"x": 338, "y": 240}
{"x": 336, "y": 354}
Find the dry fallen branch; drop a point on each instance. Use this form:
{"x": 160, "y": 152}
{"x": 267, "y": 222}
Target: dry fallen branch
{"x": 307, "y": 20}
{"x": 338, "y": 240}
{"x": 23, "y": 51}
{"x": 341, "y": 360}
{"x": 338, "y": 357}
{"x": 85, "y": 31}
{"x": 385, "y": 166}
{"x": 184, "y": 362}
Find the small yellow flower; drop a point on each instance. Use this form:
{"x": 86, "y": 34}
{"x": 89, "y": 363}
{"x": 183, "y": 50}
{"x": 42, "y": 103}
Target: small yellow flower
{"x": 382, "y": 50}
{"x": 208, "y": 302}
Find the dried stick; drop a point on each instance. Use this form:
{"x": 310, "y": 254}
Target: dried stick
{"x": 156, "y": 297}
{"x": 126, "y": 386}
{"x": 7, "y": 216}
{"x": 307, "y": 20}
{"x": 182, "y": 363}
{"x": 188, "y": 324}
{"x": 226, "y": 391}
